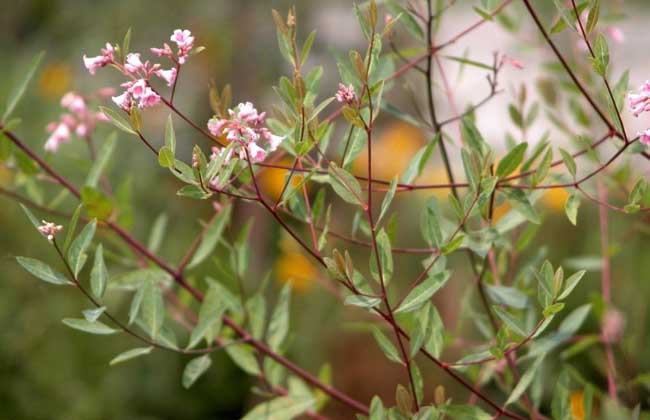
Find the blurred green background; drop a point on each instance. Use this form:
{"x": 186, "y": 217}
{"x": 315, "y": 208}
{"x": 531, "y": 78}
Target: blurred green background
{"x": 48, "y": 371}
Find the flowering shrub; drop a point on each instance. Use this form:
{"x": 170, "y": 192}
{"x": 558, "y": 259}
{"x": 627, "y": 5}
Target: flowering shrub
{"x": 343, "y": 223}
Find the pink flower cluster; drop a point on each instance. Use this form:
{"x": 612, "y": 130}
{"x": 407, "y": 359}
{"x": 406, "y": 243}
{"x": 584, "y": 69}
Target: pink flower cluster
{"x": 346, "y": 94}
{"x": 138, "y": 89}
{"x": 244, "y": 127}
{"x": 80, "y": 119}
{"x": 49, "y": 230}
{"x": 640, "y": 103}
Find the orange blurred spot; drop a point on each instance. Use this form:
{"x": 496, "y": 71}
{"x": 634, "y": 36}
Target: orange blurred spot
{"x": 55, "y": 80}
{"x": 5, "y": 176}
{"x": 296, "y": 269}
{"x": 392, "y": 151}
{"x": 272, "y": 180}
{"x": 555, "y": 199}
{"x": 577, "y": 405}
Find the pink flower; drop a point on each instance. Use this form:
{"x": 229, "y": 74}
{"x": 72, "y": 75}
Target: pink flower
{"x": 216, "y": 125}
{"x": 100, "y": 116}
{"x": 168, "y": 76}
{"x": 219, "y": 151}
{"x": 133, "y": 63}
{"x": 256, "y": 153}
{"x": 148, "y": 99}
{"x": 165, "y": 51}
{"x": 644, "y": 137}
{"x": 613, "y": 326}
{"x": 640, "y": 102}
{"x": 60, "y": 135}
{"x": 123, "y": 101}
{"x": 73, "y": 102}
{"x": 274, "y": 141}
{"x": 82, "y": 130}
{"x": 138, "y": 88}
{"x": 49, "y": 230}
{"x": 93, "y": 63}
{"x": 183, "y": 38}
{"x": 345, "y": 94}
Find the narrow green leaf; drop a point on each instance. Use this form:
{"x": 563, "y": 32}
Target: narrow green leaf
{"x": 99, "y": 274}
{"x": 72, "y": 227}
{"x": 89, "y": 327}
{"x": 592, "y": 18}
{"x": 280, "y": 408}
{"x": 194, "y": 369}
{"x": 117, "y": 120}
{"x": 211, "y": 237}
{"x": 22, "y": 86}
{"x": 210, "y": 313}
{"x": 419, "y": 161}
{"x": 510, "y": 321}
{"x": 77, "y": 257}
{"x": 130, "y": 354}
{"x": 92, "y": 315}
{"x": 571, "y": 208}
{"x": 153, "y": 308}
{"x": 525, "y": 381}
{"x": 386, "y": 346}
{"x": 512, "y": 160}
{"x": 243, "y": 356}
{"x": 97, "y": 204}
{"x": 569, "y": 162}
{"x": 170, "y": 135}
{"x": 388, "y": 198}
{"x": 157, "y": 233}
{"x": 423, "y": 292}
{"x": 345, "y": 185}
{"x": 601, "y": 52}
{"x": 571, "y": 284}
{"x": 279, "y": 323}
{"x": 42, "y": 271}
{"x": 103, "y": 157}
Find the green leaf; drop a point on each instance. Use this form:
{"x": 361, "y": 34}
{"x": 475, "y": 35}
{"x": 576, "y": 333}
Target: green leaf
{"x": 592, "y": 19}
{"x": 130, "y": 354}
{"x": 153, "y": 308}
{"x": 522, "y": 205}
{"x": 569, "y": 162}
{"x": 210, "y": 313}
{"x": 89, "y": 327}
{"x": 99, "y": 273}
{"x": 117, "y": 120}
{"x": 386, "y": 346}
{"x": 388, "y": 198}
{"x": 452, "y": 245}
{"x": 243, "y": 356}
{"x": 307, "y": 47}
{"x": 34, "y": 221}
{"x": 211, "y": 237}
{"x": 170, "y": 135}
{"x": 423, "y": 292}
{"x": 431, "y": 224}
{"x": 103, "y": 157}
{"x": 406, "y": 19}
{"x": 571, "y": 208}
{"x": 166, "y": 157}
{"x": 465, "y": 412}
{"x": 510, "y": 321}
{"x": 571, "y": 284}
{"x": 512, "y": 160}
{"x": 97, "y": 204}
{"x": 71, "y": 229}
{"x": 279, "y": 323}
{"x": 419, "y": 161}
{"x": 22, "y": 86}
{"x": 472, "y": 137}
{"x": 472, "y": 63}
{"x": 565, "y": 14}
{"x": 194, "y": 369}
{"x": 509, "y": 296}
{"x": 525, "y": 381}
{"x": 345, "y": 185}
{"x": 42, "y": 271}
{"x": 281, "y": 408}
{"x": 77, "y": 257}
{"x": 385, "y": 257}
{"x": 157, "y": 233}
{"x": 574, "y": 320}
{"x": 600, "y": 60}
{"x": 93, "y": 315}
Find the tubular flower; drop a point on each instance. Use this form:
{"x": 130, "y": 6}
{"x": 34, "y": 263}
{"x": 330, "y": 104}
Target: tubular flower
{"x": 94, "y": 63}
{"x": 640, "y": 102}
